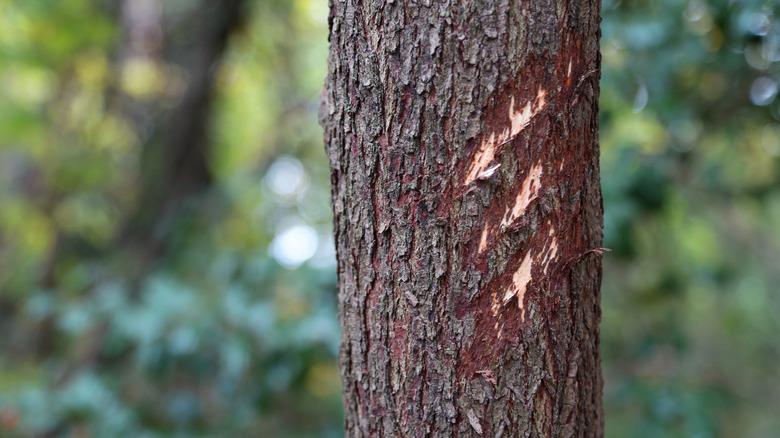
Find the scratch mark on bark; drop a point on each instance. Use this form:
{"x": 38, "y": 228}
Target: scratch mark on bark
{"x": 520, "y": 281}
{"x": 483, "y": 240}
{"x": 518, "y": 119}
{"x": 521, "y": 119}
{"x": 527, "y": 194}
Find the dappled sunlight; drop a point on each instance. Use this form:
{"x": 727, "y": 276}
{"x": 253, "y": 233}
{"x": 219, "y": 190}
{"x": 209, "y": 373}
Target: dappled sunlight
{"x": 295, "y": 245}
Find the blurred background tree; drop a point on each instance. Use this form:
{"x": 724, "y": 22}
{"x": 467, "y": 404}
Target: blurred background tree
{"x": 166, "y": 264}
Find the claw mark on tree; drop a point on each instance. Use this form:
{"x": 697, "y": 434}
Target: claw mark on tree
{"x": 524, "y": 275}
{"x": 483, "y": 240}
{"x": 520, "y": 282}
{"x": 487, "y": 173}
{"x": 519, "y": 119}
{"x": 527, "y": 194}
{"x": 482, "y": 159}
{"x": 551, "y": 253}
{"x": 487, "y": 375}
{"x": 483, "y": 167}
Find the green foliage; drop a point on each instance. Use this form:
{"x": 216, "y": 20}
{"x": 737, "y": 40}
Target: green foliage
{"x": 216, "y": 338}
{"x": 690, "y": 176}
{"x": 231, "y": 330}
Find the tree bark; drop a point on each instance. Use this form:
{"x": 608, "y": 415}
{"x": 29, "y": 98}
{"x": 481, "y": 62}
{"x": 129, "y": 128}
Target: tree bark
{"x": 463, "y": 142}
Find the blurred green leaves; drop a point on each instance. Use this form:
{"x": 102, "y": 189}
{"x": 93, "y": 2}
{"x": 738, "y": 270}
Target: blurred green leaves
{"x": 690, "y": 176}
{"x": 212, "y": 337}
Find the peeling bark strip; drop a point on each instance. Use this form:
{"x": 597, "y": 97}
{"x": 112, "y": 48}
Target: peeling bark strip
{"x": 462, "y": 139}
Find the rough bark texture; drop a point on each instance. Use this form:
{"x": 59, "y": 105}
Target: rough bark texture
{"x": 462, "y": 137}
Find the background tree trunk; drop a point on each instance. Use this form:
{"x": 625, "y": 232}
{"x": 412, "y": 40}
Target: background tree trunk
{"x": 175, "y": 159}
{"x": 462, "y": 137}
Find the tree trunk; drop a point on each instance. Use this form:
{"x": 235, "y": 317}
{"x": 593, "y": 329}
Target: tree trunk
{"x": 463, "y": 142}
